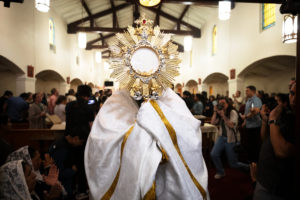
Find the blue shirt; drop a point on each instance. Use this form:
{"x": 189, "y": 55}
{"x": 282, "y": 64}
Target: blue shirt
{"x": 16, "y": 106}
{"x": 255, "y": 121}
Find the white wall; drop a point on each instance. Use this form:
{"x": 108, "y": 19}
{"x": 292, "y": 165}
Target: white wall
{"x": 24, "y": 40}
{"x": 218, "y": 88}
{"x": 6, "y": 83}
{"x": 46, "y": 86}
{"x": 240, "y": 42}
{"x": 263, "y": 83}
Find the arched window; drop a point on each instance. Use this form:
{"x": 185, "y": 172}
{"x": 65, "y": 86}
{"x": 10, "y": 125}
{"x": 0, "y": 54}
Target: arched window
{"x": 214, "y": 40}
{"x": 51, "y": 34}
{"x": 268, "y": 15}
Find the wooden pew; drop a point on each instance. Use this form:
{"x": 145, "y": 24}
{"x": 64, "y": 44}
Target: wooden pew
{"x": 40, "y": 139}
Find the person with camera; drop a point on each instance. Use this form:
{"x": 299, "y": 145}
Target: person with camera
{"x": 226, "y": 117}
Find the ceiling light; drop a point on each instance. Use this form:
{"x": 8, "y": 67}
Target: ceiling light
{"x": 149, "y": 3}
{"x": 224, "y": 10}
{"x": 188, "y": 43}
{"x": 106, "y": 66}
{"x": 98, "y": 56}
{"x": 82, "y": 40}
{"x": 42, "y": 5}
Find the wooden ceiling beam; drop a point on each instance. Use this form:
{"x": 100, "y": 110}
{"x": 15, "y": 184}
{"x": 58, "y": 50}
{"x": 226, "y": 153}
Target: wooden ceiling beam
{"x": 181, "y": 16}
{"x": 115, "y": 18}
{"x": 174, "y": 19}
{"x": 100, "y": 39}
{"x": 72, "y": 25}
{"x": 193, "y": 33}
{"x": 215, "y": 3}
{"x": 96, "y": 47}
{"x": 7, "y": 2}
{"x": 87, "y": 10}
{"x": 157, "y": 15}
{"x": 180, "y": 46}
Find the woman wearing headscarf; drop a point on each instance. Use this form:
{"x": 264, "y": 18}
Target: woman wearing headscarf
{"x": 14, "y": 184}
{"x": 32, "y": 158}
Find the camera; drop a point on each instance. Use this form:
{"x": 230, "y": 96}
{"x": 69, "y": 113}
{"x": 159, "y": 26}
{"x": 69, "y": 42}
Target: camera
{"x": 220, "y": 106}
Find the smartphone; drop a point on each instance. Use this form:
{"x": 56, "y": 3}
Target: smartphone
{"x": 91, "y": 101}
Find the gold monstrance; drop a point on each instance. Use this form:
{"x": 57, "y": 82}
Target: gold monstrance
{"x": 144, "y": 60}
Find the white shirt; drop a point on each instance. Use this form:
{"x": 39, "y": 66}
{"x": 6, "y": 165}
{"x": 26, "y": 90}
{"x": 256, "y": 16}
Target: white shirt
{"x": 60, "y": 111}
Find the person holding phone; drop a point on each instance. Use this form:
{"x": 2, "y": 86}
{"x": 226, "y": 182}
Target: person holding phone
{"x": 252, "y": 123}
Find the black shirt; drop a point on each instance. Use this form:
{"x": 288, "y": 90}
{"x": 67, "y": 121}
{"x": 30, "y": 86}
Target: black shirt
{"x": 78, "y": 113}
{"x": 274, "y": 173}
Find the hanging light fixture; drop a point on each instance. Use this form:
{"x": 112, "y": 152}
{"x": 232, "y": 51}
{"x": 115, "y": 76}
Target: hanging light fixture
{"x": 106, "y": 66}
{"x": 98, "y": 56}
{"x": 42, "y": 5}
{"x": 81, "y": 40}
{"x": 188, "y": 43}
{"x": 289, "y": 29}
{"x": 149, "y": 3}
{"x": 224, "y": 10}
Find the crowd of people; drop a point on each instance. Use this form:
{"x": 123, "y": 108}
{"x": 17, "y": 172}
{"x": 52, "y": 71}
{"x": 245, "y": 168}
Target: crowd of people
{"x": 58, "y": 174}
{"x": 33, "y": 108}
{"x": 265, "y": 123}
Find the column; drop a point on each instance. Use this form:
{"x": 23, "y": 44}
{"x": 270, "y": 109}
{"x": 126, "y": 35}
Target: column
{"x": 234, "y": 85}
{"x": 25, "y": 84}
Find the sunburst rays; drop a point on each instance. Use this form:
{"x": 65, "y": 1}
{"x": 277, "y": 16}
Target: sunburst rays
{"x": 144, "y": 36}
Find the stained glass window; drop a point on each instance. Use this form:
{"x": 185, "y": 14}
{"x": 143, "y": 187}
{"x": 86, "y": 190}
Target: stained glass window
{"x": 214, "y": 40}
{"x": 268, "y": 15}
{"x": 51, "y": 35}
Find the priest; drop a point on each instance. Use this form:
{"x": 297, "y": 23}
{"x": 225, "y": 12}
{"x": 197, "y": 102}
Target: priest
{"x": 152, "y": 150}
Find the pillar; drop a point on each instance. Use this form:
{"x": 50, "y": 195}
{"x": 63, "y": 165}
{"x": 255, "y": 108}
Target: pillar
{"x": 25, "y": 84}
{"x": 234, "y": 85}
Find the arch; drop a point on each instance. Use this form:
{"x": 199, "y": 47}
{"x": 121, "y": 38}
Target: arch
{"x": 192, "y": 86}
{"x": 216, "y": 83}
{"x": 270, "y": 74}
{"x": 75, "y": 83}
{"x": 9, "y": 72}
{"x": 48, "y": 79}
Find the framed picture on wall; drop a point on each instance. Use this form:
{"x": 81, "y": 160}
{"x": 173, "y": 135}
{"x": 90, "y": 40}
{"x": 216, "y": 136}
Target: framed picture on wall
{"x": 232, "y": 74}
{"x": 199, "y": 81}
{"x": 30, "y": 71}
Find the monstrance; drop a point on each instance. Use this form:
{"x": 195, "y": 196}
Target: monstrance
{"x": 144, "y": 60}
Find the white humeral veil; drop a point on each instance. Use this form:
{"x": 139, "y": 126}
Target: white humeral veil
{"x": 140, "y": 165}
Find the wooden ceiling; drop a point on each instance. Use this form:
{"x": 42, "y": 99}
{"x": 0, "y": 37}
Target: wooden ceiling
{"x": 103, "y": 18}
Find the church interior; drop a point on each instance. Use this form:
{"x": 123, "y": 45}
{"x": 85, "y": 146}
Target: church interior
{"x": 238, "y": 65}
